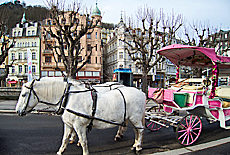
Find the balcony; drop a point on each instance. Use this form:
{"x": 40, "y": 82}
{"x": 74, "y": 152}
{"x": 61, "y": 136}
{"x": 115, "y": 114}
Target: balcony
{"x": 45, "y": 52}
{"x": 52, "y": 65}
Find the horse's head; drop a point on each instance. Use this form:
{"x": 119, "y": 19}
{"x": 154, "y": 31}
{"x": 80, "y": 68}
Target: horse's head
{"x": 27, "y": 99}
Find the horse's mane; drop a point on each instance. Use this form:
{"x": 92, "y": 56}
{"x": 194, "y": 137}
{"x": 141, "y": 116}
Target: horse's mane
{"x": 50, "y": 91}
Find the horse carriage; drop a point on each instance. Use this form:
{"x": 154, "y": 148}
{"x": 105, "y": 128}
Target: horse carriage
{"x": 184, "y": 104}
{"x": 83, "y": 108}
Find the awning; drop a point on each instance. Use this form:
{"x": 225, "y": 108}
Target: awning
{"x": 12, "y": 82}
{"x": 123, "y": 70}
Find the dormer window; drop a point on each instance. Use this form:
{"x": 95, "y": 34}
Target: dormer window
{"x": 29, "y": 33}
{"x": 33, "y": 32}
{"x": 18, "y": 33}
{"x": 15, "y": 33}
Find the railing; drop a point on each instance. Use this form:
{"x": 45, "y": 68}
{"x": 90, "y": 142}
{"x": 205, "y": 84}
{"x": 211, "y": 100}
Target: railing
{"x": 10, "y": 92}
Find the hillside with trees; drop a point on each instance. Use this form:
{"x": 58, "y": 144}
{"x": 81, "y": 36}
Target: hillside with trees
{"x": 11, "y": 13}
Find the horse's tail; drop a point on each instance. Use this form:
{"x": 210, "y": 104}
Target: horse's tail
{"x": 143, "y": 119}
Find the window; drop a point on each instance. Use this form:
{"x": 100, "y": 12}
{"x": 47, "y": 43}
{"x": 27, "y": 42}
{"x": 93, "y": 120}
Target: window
{"x": 13, "y": 56}
{"x": 28, "y": 43}
{"x": 51, "y": 73}
{"x": 96, "y": 35}
{"x": 32, "y": 44}
{"x": 96, "y": 73}
{"x": 89, "y": 60}
{"x": 13, "y": 69}
{"x": 15, "y": 33}
{"x": 33, "y": 69}
{"x": 19, "y": 56}
{"x": 58, "y": 73}
{"x": 33, "y": 55}
{"x": 18, "y": 33}
{"x": 29, "y": 33}
{"x": 25, "y": 55}
{"x": 26, "y": 69}
{"x": 88, "y": 35}
{"x": 20, "y": 69}
{"x": 44, "y": 73}
{"x": 88, "y": 47}
{"x": 88, "y": 73}
{"x": 121, "y": 55}
{"x": 35, "y": 43}
{"x": 48, "y": 59}
{"x": 59, "y": 58}
{"x": 96, "y": 47}
{"x": 33, "y": 32}
{"x": 96, "y": 60}
{"x": 65, "y": 47}
{"x": 80, "y": 73}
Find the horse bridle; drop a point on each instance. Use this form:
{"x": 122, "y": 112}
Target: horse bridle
{"x": 60, "y": 103}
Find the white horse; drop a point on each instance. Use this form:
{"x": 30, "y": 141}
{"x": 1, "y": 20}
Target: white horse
{"x": 110, "y": 108}
{"x": 99, "y": 88}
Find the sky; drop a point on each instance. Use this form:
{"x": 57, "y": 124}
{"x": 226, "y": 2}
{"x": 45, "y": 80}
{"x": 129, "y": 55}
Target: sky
{"x": 214, "y": 12}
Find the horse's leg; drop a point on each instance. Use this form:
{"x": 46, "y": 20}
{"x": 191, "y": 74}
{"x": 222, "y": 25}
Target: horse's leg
{"x": 73, "y": 137}
{"x": 81, "y": 132}
{"x": 120, "y": 131}
{"x": 139, "y": 132}
{"x": 65, "y": 139}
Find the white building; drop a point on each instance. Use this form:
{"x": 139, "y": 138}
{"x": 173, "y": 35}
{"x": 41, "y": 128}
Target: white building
{"x": 26, "y": 36}
{"x": 116, "y": 57}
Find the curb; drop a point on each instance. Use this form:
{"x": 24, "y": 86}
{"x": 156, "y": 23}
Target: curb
{"x": 8, "y": 111}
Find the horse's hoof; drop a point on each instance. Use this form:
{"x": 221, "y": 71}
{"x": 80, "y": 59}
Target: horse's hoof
{"x": 71, "y": 141}
{"x": 58, "y": 153}
{"x": 117, "y": 138}
{"x": 138, "y": 151}
{"x": 133, "y": 148}
{"x": 78, "y": 144}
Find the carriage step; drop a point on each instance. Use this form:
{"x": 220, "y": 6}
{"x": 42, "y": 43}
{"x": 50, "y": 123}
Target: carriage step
{"x": 164, "y": 125}
{"x": 174, "y": 120}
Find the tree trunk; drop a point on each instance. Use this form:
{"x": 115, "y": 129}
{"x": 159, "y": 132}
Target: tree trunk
{"x": 144, "y": 82}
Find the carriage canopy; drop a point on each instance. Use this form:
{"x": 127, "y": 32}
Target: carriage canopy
{"x": 193, "y": 56}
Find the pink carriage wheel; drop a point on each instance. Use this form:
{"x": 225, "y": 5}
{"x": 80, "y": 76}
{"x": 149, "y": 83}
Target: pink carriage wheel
{"x": 152, "y": 126}
{"x": 188, "y": 129}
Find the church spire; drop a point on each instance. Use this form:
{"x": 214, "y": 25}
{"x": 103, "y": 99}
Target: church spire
{"x": 23, "y": 18}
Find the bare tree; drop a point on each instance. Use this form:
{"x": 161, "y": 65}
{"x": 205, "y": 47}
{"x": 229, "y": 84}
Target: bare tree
{"x": 156, "y": 30}
{"x": 201, "y": 34}
{"x": 5, "y": 44}
{"x": 67, "y": 27}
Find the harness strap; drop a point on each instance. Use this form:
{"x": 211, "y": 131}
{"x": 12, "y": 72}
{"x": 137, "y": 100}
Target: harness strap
{"x": 94, "y": 97}
{"x": 64, "y": 100}
{"x": 124, "y": 105}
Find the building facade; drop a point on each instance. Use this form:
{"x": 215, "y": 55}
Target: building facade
{"x": 91, "y": 72}
{"x": 116, "y": 57}
{"x": 27, "y": 37}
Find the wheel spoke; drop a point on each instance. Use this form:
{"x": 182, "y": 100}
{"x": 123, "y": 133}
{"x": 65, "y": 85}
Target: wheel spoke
{"x": 149, "y": 124}
{"x": 194, "y": 121}
{"x": 182, "y": 130}
{"x": 153, "y": 126}
{"x": 195, "y": 124}
{"x": 184, "y": 137}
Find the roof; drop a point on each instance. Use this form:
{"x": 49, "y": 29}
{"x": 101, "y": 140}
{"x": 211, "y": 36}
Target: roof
{"x": 96, "y": 11}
